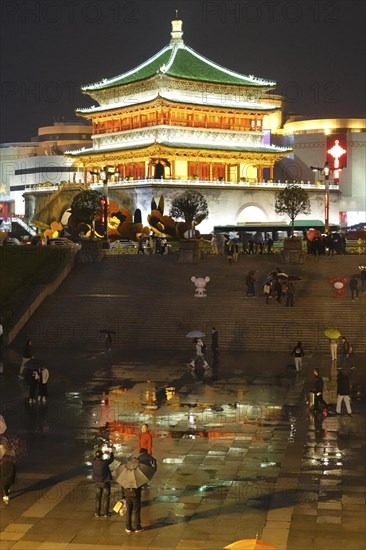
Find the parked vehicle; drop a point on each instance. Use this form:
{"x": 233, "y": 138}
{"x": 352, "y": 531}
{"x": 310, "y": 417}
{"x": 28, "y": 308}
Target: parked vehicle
{"x": 356, "y": 234}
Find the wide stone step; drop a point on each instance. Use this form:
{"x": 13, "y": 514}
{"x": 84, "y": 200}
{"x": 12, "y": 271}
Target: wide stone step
{"x": 149, "y": 302}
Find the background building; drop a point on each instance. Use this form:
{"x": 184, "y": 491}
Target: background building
{"x": 316, "y": 141}
{"x": 178, "y": 116}
{"x": 180, "y": 121}
{"x": 40, "y": 161}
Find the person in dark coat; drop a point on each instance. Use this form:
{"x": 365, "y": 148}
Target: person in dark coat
{"x": 353, "y": 284}
{"x": 140, "y": 248}
{"x": 277, "y": 288}
{"x": 7, "y": 468}
{"x": 214, "y": 341}
{"x": 229, "y": 249}
{"x": 250, "y": 280}
{"x": 133, "y": 512}
{"x": 108, "y": 348}
{"x": 318, "y": 387}
{"x": 102, "y": 477}
{"x": 32, "y": 379}
{"x": 363, "y": 280}
{"x": 270, "y": 245}
{"x": 298, "y": 354}
{"x": 290, "y": 292}
{"x": 345, "y": 353}
{"x": 344, "y": 391}
{"x": 27, "y": 354}
{"x": 267, "y": 290}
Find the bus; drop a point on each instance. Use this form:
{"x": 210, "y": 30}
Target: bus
{"x": 276, "y": 230}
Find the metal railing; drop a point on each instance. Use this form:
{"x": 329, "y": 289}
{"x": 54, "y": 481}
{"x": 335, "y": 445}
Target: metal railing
{"x": 29, "y": 228}
{"x": 190, "y": 182}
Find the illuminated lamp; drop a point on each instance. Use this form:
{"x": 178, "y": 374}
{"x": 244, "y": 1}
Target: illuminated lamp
{"x": 105, "y": 174}
{"x": 326, "y": 172}
{"x": 336, "y": 152}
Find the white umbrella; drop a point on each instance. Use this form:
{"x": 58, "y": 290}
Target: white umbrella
{"x": 195, "y": 334}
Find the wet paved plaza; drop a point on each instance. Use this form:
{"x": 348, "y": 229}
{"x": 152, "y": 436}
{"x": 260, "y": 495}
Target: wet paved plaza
{"x": 238, "y": 455}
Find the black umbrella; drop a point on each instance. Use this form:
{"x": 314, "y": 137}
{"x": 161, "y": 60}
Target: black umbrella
{"x": 105, "y": 331}
{"x": 136, "y": 472}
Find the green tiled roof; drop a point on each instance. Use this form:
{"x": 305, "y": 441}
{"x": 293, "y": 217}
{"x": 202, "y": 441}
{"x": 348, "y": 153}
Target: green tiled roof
{"x": 143, "y": 71}
{"x": 180, "y": 61}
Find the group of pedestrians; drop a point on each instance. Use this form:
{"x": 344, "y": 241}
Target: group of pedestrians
{"x": 102, "y": 477}
{"x": 246, "y": 244}
{"x": 344, "y": 387}
{"x": 38, "y": 384}
{"x": 151, "y": 245}
{"x": 341, "y": 356}
{"x": 280, "y": 289}
{"x": 35, "y": 374}
{"x": 344, "y": 384}
{"x": 333, "y": 243}
{"x": 277, "y": 285}
{"x": 344, "y": 350}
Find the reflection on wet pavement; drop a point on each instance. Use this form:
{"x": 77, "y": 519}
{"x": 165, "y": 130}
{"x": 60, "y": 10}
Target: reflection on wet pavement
{"x": 235, "y": 455}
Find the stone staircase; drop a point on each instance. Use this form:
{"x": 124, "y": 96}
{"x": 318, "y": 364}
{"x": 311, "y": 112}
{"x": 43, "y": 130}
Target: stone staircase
{"x": 24, "y": 225}
{"x": 149, "y": 302}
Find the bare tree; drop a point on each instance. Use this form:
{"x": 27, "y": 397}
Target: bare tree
{"x": 86, "y": 206}
{"x": 191, "y": 206}
{"x": 293, "y": 200}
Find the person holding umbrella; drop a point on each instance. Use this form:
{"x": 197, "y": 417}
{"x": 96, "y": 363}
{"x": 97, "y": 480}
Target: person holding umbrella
{"x": 199, "y": 358}
{"x": 102, "y": 477}
{"x": 132, "y": 496}
{"x": 11, "y": 450}
{"x": 333, "y": 334}
{"x": 132, "y": 475}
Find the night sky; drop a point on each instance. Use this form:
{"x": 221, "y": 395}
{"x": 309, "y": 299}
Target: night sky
{"x": 315, "y": 51}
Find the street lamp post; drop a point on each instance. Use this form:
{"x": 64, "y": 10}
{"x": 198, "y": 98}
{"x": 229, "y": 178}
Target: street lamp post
{"x": 105, "y": 174}
{"x": 326, "y": 172}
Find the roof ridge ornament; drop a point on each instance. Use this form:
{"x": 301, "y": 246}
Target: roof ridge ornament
{"x": 177, "y": 32}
